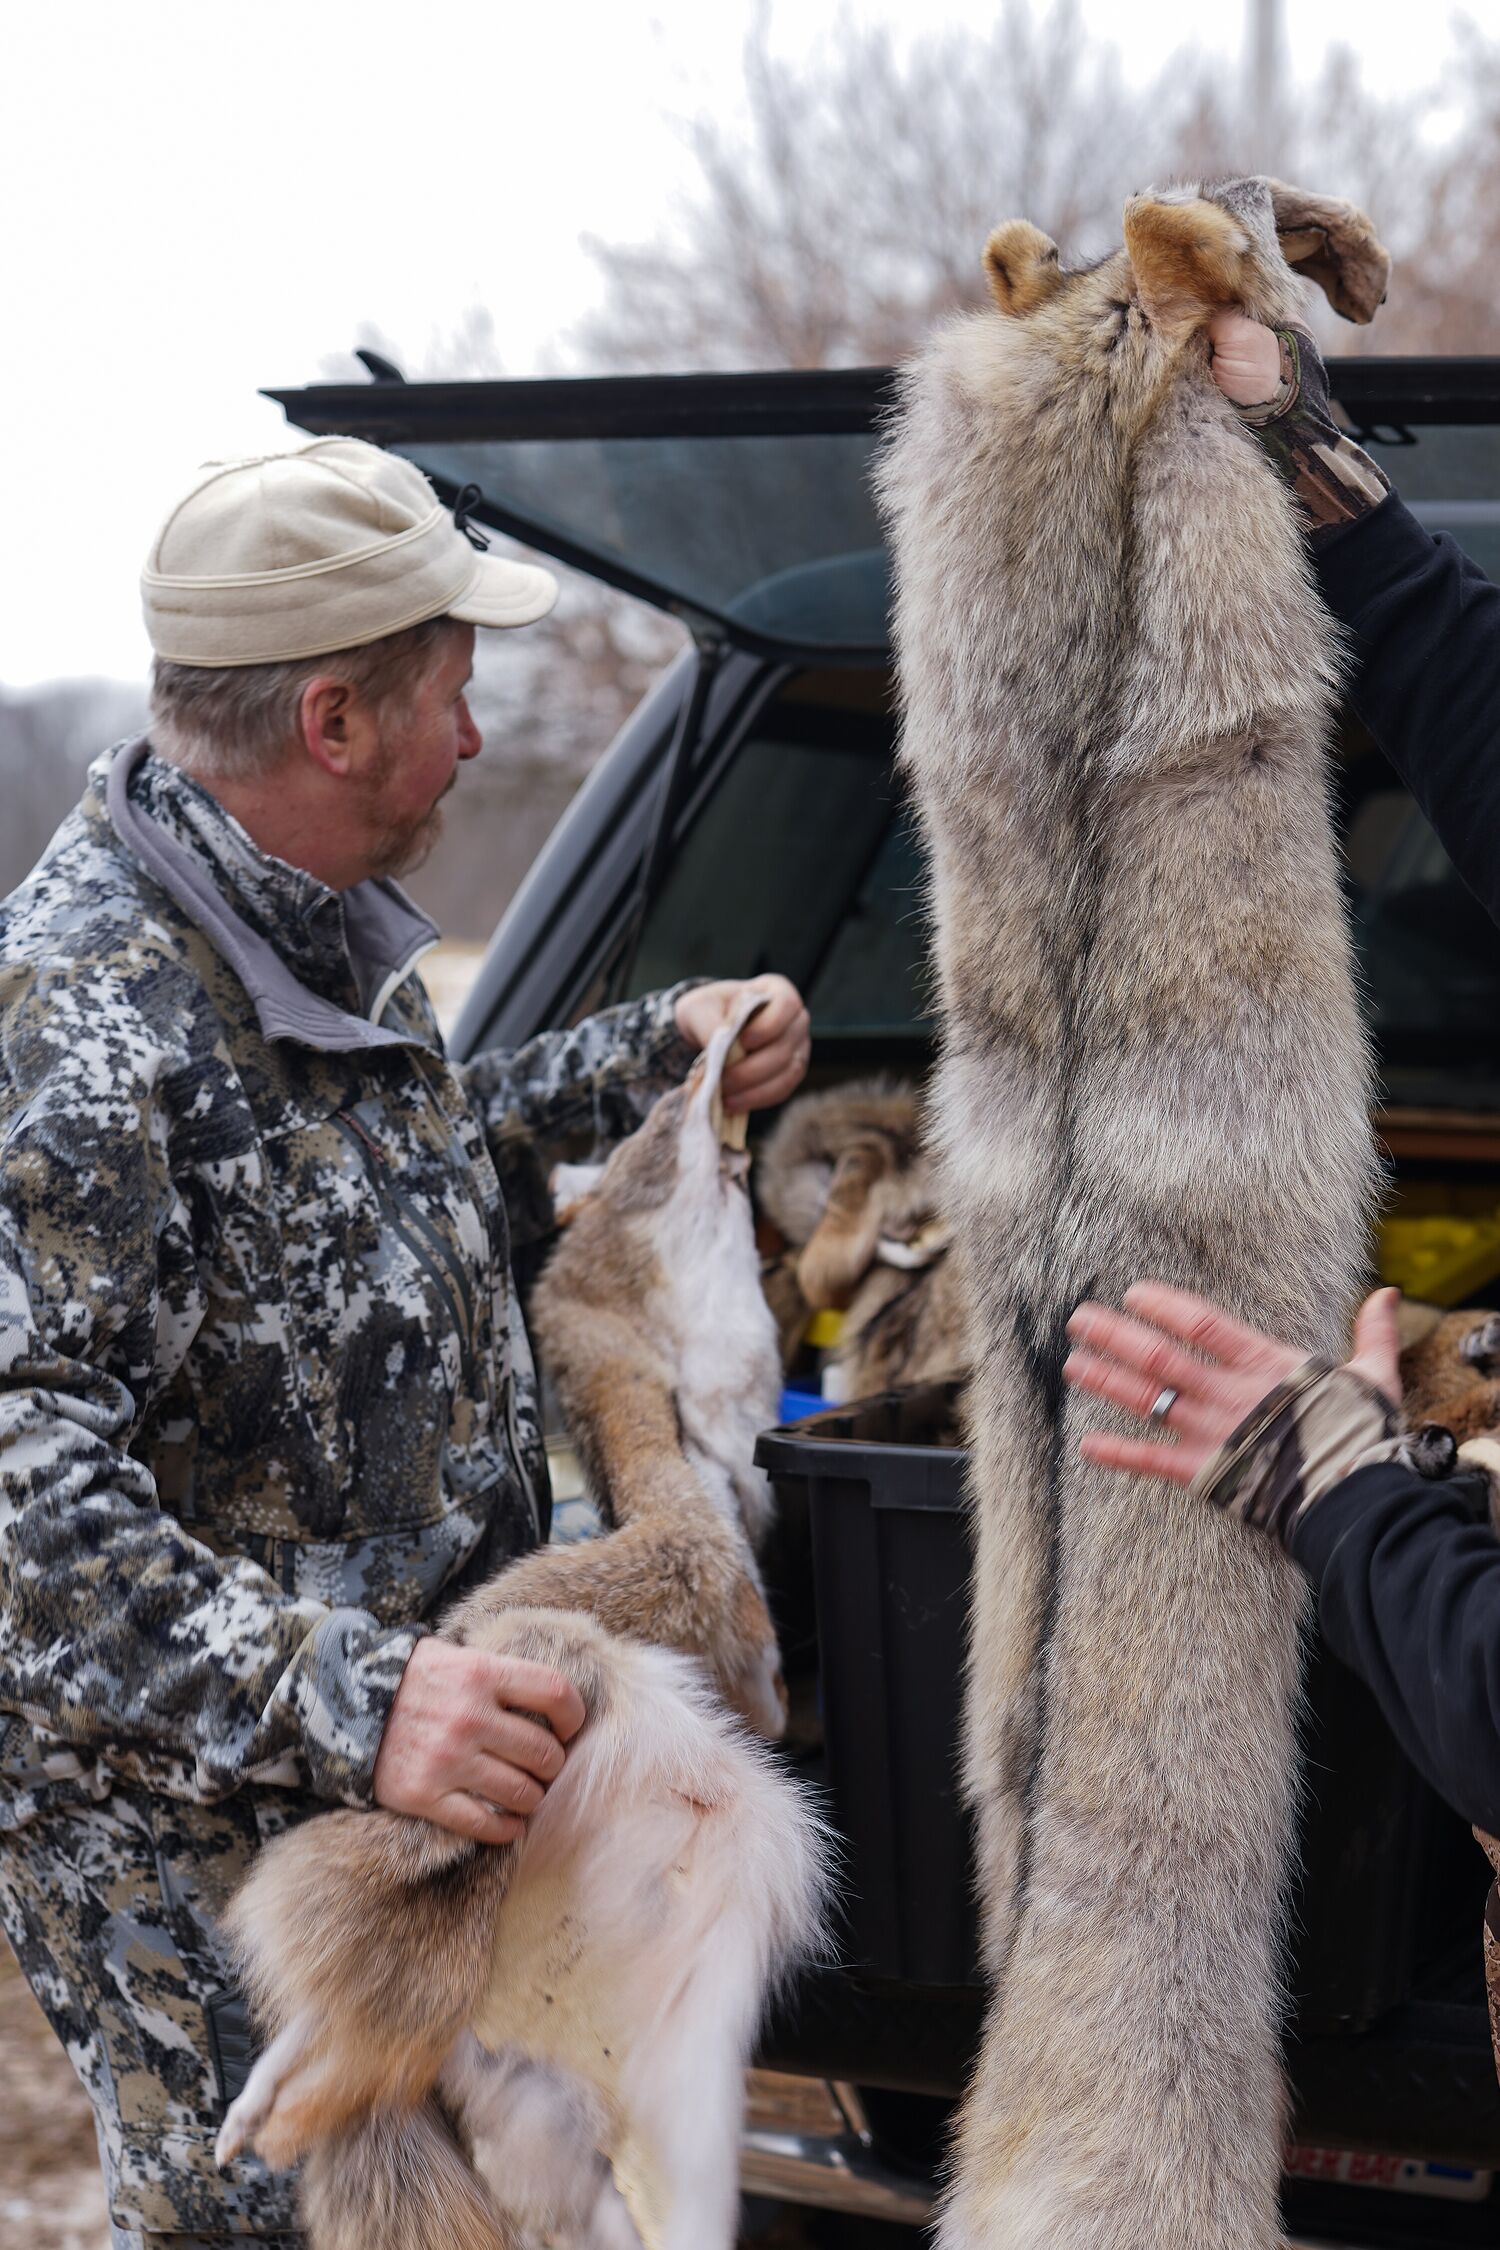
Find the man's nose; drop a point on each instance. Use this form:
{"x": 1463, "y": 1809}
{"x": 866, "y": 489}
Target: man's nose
{"x": 470, "y": 740}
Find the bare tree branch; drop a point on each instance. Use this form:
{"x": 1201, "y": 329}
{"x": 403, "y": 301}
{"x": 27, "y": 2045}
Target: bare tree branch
{"x": 849, "y": 210}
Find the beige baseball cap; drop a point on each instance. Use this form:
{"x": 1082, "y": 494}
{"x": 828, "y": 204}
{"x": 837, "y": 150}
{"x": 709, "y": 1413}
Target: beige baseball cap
{"x": 326, "y": 547}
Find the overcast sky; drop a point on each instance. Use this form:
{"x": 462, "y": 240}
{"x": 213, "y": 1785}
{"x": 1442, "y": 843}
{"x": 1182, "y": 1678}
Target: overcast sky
{"x": 202, "y": 196}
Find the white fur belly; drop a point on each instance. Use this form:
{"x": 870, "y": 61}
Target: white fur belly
{"x": 729, "y": 1383}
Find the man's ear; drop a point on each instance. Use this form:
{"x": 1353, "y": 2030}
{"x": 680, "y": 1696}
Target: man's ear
{"x": 1188, "y": 259}
{"x": 335, "y": 724}
{"x": 1335, "y": 245}
{"x": 1020, "y": 264}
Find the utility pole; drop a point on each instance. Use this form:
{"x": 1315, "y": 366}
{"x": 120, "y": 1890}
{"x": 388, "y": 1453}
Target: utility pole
{"x": 1263, "y": 72}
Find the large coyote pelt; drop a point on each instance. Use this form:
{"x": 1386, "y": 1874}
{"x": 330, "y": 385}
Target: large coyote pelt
{"x": 488, "y": 2047}
{"x": 1117, "y": 681}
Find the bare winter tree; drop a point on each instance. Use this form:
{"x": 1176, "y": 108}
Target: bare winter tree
{"x": 1425, "y": 164}
{"x": 848, "y": 210}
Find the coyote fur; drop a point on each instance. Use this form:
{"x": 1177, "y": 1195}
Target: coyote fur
{"x": 1450, "y": 1390}
{"x": 847, "y": 1181}
{"x": 1117, "y": 683}
{"x": 482, "y": 2047}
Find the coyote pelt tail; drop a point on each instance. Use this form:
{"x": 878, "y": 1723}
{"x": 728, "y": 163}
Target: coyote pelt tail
{"x": 472, "y": 2042}
{"x": 398, "y": 2180}
{"x": 1118, "y": 682}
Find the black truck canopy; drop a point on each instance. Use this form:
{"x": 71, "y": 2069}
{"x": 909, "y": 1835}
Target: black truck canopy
{"x": 745, "y": 500}
{"x": 741, "y": 499}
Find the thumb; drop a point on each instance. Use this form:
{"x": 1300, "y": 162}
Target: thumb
{"x": 1377, "y": 1343}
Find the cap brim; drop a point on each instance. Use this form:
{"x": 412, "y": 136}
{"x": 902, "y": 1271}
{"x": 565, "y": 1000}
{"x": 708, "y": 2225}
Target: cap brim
{"x": 504, "y": 593}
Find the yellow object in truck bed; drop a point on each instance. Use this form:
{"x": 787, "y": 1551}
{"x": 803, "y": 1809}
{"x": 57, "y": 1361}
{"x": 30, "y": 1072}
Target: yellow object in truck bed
{"x": 1441, "y": 1240}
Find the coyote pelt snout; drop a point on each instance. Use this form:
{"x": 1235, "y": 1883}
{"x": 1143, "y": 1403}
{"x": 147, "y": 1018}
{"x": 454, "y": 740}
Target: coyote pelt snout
{"x": 1117, "y": 683}
{"x": 492, "y": 2047}
{"x": 1450, "y": 1385}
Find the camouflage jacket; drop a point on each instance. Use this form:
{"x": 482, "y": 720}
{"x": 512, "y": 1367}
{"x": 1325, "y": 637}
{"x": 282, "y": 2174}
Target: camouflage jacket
{"x": 265, "y": 1391}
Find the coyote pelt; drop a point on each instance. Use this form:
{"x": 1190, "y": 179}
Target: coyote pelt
{"x": 1117, "y": 683}
{"x": 654, "y": 1331}
{"x": 1450, "y": 1390}
{"x": 846, "y": 1179}
{"x": 489, "y": 2047}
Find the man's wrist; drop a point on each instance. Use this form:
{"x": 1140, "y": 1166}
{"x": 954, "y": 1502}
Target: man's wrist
{"x": 1304, "y": 1437}
{"x": 1288, "y": 387}
{"x": 1332, "y": 481}
{"x": 342, "y": 1685}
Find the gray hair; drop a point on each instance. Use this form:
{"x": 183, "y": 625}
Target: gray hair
{"x": 237, "y": 723}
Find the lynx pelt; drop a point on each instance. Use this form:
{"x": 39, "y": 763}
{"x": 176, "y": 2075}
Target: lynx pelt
{"x": 1117, "y": 682}
{"x": 495, "y": 2047}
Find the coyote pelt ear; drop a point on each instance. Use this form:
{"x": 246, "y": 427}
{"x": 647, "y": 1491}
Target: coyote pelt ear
{"x": 1021, "y": 266}
{"x": 839, "y": 1252}
{"x": 1188, "y": 256}
{"x": 1336, "y": 246}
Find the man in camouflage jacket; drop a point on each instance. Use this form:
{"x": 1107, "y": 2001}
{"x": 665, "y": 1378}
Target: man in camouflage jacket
{"x": 266, "y": 1399}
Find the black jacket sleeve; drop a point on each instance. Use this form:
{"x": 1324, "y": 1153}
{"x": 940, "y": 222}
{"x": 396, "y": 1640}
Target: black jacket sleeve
{"x": 1425, "y": 627}
{"x": 1408, "y": 1587}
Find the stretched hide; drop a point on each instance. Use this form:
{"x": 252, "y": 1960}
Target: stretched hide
{"x": 1117, "y": 681}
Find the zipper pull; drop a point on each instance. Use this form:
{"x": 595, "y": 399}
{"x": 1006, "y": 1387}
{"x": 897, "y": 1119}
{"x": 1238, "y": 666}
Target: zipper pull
{"x": 347, "y": 1117}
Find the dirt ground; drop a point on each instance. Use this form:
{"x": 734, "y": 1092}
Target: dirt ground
{"x": 51, "y": 2196}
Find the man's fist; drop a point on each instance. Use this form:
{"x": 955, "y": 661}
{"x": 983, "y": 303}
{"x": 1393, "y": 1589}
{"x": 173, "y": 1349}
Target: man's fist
{"x": 775, "y": 1044}
{"x": 458, "y": 1748}
{"x": 1246, "y": 361}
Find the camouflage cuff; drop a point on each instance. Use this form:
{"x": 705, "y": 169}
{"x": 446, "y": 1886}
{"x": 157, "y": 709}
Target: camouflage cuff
{"x": 1303, "y": 1438}
{"x": 1288, "y": 388}
{"x": 670, "y": 1056}
{"x": 339, "y": 1689}
{"x": 1332, "y": 480}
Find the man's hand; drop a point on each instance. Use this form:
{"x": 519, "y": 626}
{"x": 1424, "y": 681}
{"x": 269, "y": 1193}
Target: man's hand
{"x": 1246, "y": 362}
{"x": 1226, "y": 1372}
{"x": 775, "y": 1044}
{"x": 457, "y": 1748}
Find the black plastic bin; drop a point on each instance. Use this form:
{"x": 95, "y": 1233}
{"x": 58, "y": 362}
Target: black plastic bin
{"x": 883, "y": 1483}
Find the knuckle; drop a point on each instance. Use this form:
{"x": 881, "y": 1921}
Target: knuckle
{"x": 541, "y": 1755}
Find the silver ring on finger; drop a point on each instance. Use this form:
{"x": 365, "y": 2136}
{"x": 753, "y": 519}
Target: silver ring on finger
{"x": 1161, "y": 1407}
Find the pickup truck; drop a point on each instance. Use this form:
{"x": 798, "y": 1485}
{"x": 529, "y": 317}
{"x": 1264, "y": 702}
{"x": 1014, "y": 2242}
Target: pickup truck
{"x": 748, "y": 816}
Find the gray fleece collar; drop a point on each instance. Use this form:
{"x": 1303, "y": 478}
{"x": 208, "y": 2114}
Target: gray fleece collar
{"x": 386, "y": 934}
